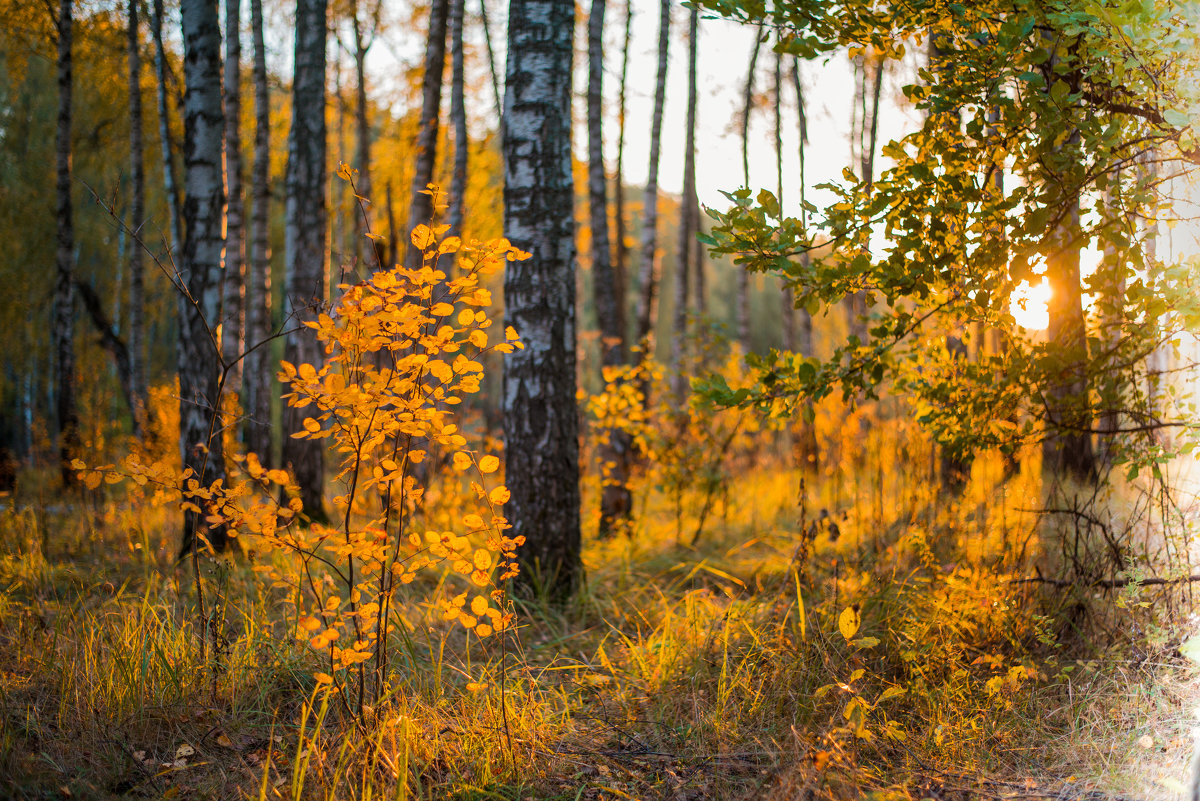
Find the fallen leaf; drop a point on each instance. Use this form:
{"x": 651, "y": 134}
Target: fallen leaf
{"x": 1146, "y": 741}
{"x": 184, "y": 750}
{"x": 225, "y": 742}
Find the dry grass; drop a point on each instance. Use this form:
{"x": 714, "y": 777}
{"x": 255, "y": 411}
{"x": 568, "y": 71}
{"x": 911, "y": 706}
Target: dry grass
{"x": 717, "y": 671}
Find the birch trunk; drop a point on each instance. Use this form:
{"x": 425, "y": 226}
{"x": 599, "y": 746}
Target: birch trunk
{"x": 621, "y": 249}
{"x": 487, "y": 40}
{"x": 458, "y": 119}
{"x": 685, "y": 243}
{"x": 804, "y": 343}
{"x": 420, "y": 208}
{"x": 233, "y": 311}
{"x": 647, "y": 273}
{"x": 743, "y": 277}
{"x": 170, "y": 186}
{"x": 304, "y": 235}
{"x": 362, "y": 130}
{"x": 137, "y": 218}
{"x": 540, "y": 420}
{"x": 257, "y": 368}
{"x": 200, "y": 263}
{"x": 615, "y": 450}
{"x": 788, "y": 301}
{"x": 64, "y": 288}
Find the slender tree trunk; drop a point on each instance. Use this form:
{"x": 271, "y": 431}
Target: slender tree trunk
{"x": 257, "y": 368}
{"x": 164, "y": 130}
{"x": 305, "y": 218}
{"x": 686, "y": 233}
{"x": 1068, "y": 444}
{"x": 621, "y": 249}
{"x": 137, "y": 280}
{"x": 743, "y": 277}
{"x": 649, "y": 245}
{"x": 699, "y": 259}
{"x": 420, "y": 205}
{"x": 540, "y": 421}
{"x": 1067, "y": 447}
{"x": 804, "y": 343}
{"x": 856, "y": 308}
{"x": 393, "y": 233}
{"x": 954, "y": 469}
{"x": 343, "y": 248}
{"x": 1158, "y": 362}
{"x": 805, "y": 449}
{"x": 362, "y": 131}
{"x": 109, "y": 340}
{"x": 787, "y": 300}
{"x": 64, "y": 287}
{"x": 868, "y": 156}
{"x": 233, "y": 312}
{"x": 487, "y": 40}
{"x": 699, "y": 255}
{"x": 602, "y": 272}
{"x": 200, "y": 265}
{"x": 458, "y": 118}
{"x": 614, "y": 452}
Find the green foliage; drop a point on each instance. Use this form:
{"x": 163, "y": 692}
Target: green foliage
{"x": 1075, "y": 105}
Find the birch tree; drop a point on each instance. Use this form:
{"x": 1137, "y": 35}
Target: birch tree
{"x": 420, "y": 208}
{"x": 200, "y": 263}
{"x": 743, "y": 277}
{"x": 64, "y": 274}
{"x": 615, "y": 452}
{"x": 458, "y": 119}
{"x": 170, "y": 185}
{"x": 257, "y": 371}
{"x": 540, "y": 420}
{"x": 620, "y": 249}
{"x": 647, "y": 272}
{"x": 687, "y": 202}
{"x": 233, "y": 312}
{"x": 305, "y": 214}
{"x": 137, "y": 218}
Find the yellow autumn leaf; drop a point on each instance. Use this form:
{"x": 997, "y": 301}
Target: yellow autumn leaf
{"x": 466, "y": 317}
{"x": 422, "y": 237}
{"x": 489, "y": 464}
{"x": 472, "y": 521}
{"x": 479, "y": 606}
{"x": 499, "y": 495}
{"x": 483, "y": 629}
{"x": 323, "y": 678}
{"x": 461, "y": 461}
{"x": 483, "y": 559}
{"x": 849, "y": 621}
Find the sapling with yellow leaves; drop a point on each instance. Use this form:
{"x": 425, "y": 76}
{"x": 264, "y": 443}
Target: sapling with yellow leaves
{"x": 403, "y": 349}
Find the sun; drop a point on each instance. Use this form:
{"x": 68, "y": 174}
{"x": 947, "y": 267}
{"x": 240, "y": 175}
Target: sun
{"x": 1030, "y": 305}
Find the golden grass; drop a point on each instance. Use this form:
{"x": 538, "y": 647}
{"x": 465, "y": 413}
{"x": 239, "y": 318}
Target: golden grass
{"x": 714, "y": 671}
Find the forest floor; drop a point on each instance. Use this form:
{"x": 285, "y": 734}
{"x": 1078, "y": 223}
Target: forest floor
{"x": 896, "y": 659}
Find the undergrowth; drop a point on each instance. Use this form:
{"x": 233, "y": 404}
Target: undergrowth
{"x": 886, "y": 653}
